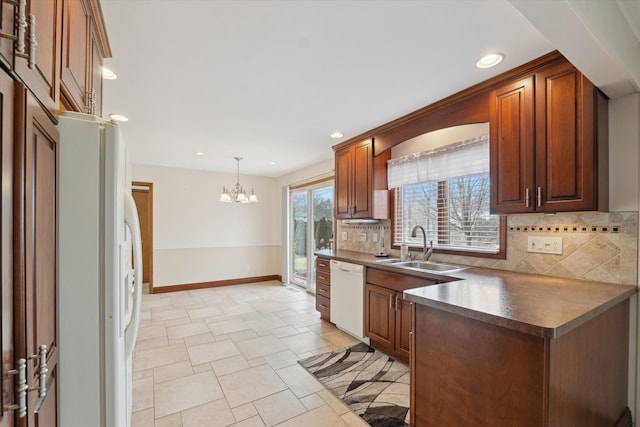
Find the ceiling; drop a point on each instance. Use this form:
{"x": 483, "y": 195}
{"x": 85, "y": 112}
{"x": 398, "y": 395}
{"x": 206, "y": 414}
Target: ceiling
{"x": 271, "y": 80}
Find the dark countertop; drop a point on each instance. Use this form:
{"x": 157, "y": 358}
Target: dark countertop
{"x": 538, "y": 305}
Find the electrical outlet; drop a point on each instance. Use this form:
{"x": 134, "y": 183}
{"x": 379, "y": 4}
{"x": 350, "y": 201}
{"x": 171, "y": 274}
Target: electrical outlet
{"x": 374, "y": 237}
{"x": 345, "y": 235}
{"x": 363, "y": 237}
{"x": 545, "y": 245}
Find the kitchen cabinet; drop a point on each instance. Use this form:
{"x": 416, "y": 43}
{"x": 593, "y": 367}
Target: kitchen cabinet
{"x": 43, "y": 77}
{"x": 548, "y": 143}
{"x": 83, "y": 50}
{"x": 361, "y": 182}
{"x": 387, "y": 313}
{"x": 323, "y": 288}
{"x": 472, "y": 372}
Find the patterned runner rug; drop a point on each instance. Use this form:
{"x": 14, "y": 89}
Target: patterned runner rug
{"x": 373, "y": 385}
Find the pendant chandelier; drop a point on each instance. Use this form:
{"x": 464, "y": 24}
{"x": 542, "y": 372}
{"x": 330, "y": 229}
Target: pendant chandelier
{"x": 237, "y": 194}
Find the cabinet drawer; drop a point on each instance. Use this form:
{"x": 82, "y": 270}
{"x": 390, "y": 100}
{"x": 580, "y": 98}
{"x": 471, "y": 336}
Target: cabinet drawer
{"x": 323, "y": 277}
{"x": 397, "y": 282}
{"x": 323, "y": 305}
{"x": 323, "y": 264}
{"x": 323, "y": 289}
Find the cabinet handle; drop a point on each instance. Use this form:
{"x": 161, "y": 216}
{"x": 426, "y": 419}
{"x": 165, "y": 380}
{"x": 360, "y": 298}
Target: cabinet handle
{"x": 322, "y": 290}
{"x": 323, "y": 306}
{"x": 390, "y": 302}
{"x": 321, "y": 277}
{"x": 539, "y": 197}
{"x": 526, "y": 197}
{"x": 396, "y": 302}
{"x": 21, "y": 389}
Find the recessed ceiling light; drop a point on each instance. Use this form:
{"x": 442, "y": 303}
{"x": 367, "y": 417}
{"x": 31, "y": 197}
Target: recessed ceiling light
{"x": 199, "y": 153}
{"x": 108, "y": 74}
{"x": 490, "y": 60}
{"x": 272, "y": 163}
{"x": 119, "y": 118}
{"x": 336, "y": 135}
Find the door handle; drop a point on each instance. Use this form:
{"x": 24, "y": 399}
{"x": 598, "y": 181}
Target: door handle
{"x": 22, "y": 388}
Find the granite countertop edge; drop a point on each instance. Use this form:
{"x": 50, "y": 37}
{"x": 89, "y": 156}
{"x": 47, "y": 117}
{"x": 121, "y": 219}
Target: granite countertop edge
{"x": 476, "y": 278}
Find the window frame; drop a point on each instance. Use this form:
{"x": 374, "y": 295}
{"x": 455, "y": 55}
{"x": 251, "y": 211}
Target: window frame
{"x": 502, "y": 250}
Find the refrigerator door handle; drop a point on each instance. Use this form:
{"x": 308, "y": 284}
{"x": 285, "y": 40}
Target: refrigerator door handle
{"x": 131, "y": 219}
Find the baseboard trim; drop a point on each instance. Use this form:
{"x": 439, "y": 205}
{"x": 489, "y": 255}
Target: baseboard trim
{"x": 204, "y": 285}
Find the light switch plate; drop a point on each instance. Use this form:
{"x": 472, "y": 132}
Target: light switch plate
{"x": 363, "y": 237}
{"x": 345, "y": 235}
{"x": 545, "y": 245}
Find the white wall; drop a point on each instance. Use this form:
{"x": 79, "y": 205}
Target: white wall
{"x": 198, "y": 239}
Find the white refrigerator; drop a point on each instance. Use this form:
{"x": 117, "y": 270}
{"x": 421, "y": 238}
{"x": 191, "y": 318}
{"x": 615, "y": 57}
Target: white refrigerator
{"x": 99, "y": 274}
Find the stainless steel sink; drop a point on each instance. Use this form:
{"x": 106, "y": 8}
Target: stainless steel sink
{"x": 430, "y": 266}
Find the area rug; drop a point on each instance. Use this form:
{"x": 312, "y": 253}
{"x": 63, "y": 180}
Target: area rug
{"x": 373, "y": 385}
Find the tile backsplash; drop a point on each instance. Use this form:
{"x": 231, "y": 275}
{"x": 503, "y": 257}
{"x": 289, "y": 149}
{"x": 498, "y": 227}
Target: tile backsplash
{"x": 599, "y": 246}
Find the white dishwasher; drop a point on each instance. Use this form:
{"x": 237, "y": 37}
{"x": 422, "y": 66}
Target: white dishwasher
{"x": 347, "y": 297}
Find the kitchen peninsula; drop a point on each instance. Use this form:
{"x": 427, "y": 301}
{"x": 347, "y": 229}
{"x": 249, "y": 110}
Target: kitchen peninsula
{"x": 494, "y": 348}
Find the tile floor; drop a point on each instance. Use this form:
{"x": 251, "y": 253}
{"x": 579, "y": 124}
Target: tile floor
{"x": 227, "y": 357}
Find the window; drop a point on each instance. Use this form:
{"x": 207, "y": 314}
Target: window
{"x": 446, "y": 191}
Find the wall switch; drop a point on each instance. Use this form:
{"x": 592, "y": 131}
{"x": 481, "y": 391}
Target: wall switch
{"x": 363, "y": 237}
{"x": 345, "y": 235}
{"x": 545, "y": 245}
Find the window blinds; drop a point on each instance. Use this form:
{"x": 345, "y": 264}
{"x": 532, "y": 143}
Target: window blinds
{"x": 469, "y": 157}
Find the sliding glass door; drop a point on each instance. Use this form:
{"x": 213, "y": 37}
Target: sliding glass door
{"x": 311, "y": 219}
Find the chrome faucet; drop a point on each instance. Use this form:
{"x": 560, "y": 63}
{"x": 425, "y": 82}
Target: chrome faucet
{"x": 426, "y": 253}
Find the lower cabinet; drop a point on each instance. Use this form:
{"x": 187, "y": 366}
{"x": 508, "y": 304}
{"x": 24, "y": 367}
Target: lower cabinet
{"x": 323, "y": 288}
{"x": 387, "y": 313}
{"x": 466, "y": 372}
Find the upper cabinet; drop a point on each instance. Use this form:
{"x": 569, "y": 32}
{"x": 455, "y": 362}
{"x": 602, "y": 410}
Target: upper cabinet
{"x": 361, "y": 184}
{"x": 548, "y": 143}
{"x": 84, "y": 45}
{"x": 39, "y": 66}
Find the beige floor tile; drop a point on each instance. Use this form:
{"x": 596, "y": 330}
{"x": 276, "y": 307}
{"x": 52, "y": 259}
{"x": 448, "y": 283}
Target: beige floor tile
{"x": 322, "y": 416}
{"x": 142, "y": 418}
{"x": 183, "y": 320}
{"x": 160, "y": 356}
{"x": 212, "y": 351}
{"x": 152, "y": 343}
{"x": 260, "y": 346}
{"x": 203, "y": 367}
{"x": 173, "y": 371}
{"x": 185, "y": 393}
{"x": 138, "y": 375}
{"x": 155, "y": 331}
{"x": 187, "y": 330}
{"x": 251, "y": 422}
{"x": 173, "y": 420}
{"x": 212, "y": 414}
{"x": 175, "y": 313}
{"x": 142, "y": 394}
{"x": 199, "y": 339}
{"x": 312, "y": 401}
{"x": 204, "y": 312}
{"x": 228, "y": 326}
{"x": 299, "y": 381}
{"x": 257, "y": 361}
{"x": 281, "y": 359}
{"x": 279, "y": 407}
{"x": 304, "y": 342}
{"x": 284, "y": 331}
{"x": 265, "y": 323}
{"x": 244, "y": 412}
{"x": 251, "y": 384}
{"x": 339, "y": 339}
{"x": 238, "y": 309}
{"x": 244, "y": 335}
{"x": 230, "y": 365}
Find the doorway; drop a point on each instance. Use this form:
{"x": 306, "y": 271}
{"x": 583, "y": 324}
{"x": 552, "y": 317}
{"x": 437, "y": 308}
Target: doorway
{"x": 311, "y": 219}
{"x": 142, "y": 193}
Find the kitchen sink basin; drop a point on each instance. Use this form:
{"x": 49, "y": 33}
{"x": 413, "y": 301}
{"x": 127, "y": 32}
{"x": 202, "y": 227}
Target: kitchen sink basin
{"x": 430, "y": 266}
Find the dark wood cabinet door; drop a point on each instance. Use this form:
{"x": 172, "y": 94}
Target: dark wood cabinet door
{"x": 7, "y": 385}
{"x": 403, "y": 327}
{"x": 362, "y": 180}
{"x": 512, "y": 147}
{"x": 44, "y": 78}
{"x": 342, "y": 198}
{"x": 565, "y": 140}
{"x": 380, "y": 317}
{"x": 36, "y": 249}
{"x": 75, "y": 53}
